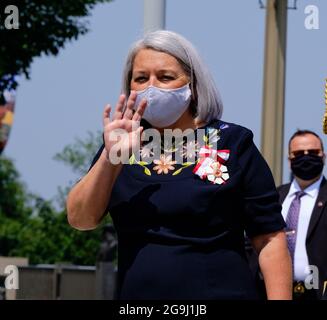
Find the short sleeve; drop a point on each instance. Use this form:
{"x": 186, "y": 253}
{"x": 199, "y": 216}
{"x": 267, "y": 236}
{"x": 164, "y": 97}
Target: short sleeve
{"x": 262, "y": 212}
{"x": 96, "y": 157}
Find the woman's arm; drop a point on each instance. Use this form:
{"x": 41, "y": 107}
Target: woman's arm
{"x": 275, "y": 264}
{"x": 89, "y": 198}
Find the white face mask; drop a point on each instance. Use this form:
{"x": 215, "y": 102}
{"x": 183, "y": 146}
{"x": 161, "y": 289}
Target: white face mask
{"x": 164, "y": 106}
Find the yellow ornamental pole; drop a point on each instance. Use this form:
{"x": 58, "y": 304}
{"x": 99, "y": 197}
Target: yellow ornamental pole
{"x": 7, "y": 108}
{"x": 325, "y": 115}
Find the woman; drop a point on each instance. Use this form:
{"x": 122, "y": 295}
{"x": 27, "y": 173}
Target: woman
{"x": 180, "y": 225}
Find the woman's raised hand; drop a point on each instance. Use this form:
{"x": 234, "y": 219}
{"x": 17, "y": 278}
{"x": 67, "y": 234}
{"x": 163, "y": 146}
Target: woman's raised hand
{"x": 122, "y": 132}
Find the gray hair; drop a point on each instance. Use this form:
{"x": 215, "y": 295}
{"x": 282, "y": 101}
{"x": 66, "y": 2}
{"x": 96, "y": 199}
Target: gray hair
{"x": 205, "y": 95}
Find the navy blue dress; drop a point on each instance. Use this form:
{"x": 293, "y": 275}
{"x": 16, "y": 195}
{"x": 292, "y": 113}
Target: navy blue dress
{"x": 182, "y": 236}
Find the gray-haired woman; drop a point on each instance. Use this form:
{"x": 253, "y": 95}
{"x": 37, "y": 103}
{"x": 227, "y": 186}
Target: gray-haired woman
{"x": 181, "y": 208}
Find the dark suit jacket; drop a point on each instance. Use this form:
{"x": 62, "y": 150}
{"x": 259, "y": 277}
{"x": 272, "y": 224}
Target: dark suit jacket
{"x": 316, "y": 241}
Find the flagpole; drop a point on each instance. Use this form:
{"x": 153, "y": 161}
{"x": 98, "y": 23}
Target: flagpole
{"x": 272, "y": 131}
{"x": 154, "y": 15}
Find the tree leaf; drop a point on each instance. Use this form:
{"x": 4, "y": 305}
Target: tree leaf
{"x": 45, "y": 27}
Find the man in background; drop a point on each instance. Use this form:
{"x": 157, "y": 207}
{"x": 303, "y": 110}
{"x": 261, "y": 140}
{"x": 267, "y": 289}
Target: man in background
{"x": 304, "y": 202}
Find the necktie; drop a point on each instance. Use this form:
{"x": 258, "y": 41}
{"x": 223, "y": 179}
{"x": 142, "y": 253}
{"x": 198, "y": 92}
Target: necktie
{"x": 292, "y": 221}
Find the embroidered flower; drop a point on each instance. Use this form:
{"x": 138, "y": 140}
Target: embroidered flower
{"x": 190, "y": 149}
{"x": 168, "y": 146}
{"x": 146, "y": 152}
{"x": 164, "y": 164}
{"x": 217, "y": 173}
{"x": 213, "y": 135}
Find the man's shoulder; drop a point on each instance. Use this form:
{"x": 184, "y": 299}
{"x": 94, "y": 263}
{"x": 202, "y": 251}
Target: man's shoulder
{"x": 283, "y": 189}
{"x": 323, "y": 183}
{"x": 323, "y": 188}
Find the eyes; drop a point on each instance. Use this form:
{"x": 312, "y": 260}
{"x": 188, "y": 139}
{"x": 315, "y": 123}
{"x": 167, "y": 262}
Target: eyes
{"x": 162, "y": 78}
{"x": 298, "y": 153}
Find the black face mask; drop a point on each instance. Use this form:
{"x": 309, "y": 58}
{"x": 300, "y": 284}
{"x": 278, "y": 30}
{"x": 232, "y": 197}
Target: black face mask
{"x": 307, "y": 166}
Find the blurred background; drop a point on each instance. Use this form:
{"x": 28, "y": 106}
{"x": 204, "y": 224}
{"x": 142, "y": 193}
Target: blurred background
{"x": 64, "y": 63}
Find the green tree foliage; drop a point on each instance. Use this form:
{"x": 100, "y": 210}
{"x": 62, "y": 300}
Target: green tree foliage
{"x": 13, "y": 195}
{"x": 48, "y": 238}
{"x": 31, "y": 227}
{"x": 44, "y": 27}
{"x": 14, "y": 206}
{"x": 79, "y": 155}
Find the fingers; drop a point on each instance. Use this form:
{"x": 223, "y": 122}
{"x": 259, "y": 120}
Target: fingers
{"x": 137, "y": 134}
{"x": 106, "y": 115}
{"x": 128, "y": 114}
{"x": 139, "y": 131}
{"x": 120, "y": 107}
{"x": 140, "y": 110}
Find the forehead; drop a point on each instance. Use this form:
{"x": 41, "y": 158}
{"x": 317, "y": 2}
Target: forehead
{"x": 303, "y": 142}
{"x": 152, "y": 59}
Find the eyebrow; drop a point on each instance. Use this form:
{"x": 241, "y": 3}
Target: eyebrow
{"x": 306, "y": 149}
{"x": 141, "y": 71}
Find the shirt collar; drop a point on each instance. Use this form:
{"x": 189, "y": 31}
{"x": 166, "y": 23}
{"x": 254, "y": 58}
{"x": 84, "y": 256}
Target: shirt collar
{"x": 311, "y": 190}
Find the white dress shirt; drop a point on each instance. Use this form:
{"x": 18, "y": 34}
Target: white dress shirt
{"x": 307, "y": 204}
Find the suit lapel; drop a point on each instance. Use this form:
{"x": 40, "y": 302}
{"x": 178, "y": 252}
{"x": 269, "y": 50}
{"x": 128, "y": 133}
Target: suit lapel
{"x": 283, "y": 192}
{"x": 318, "y": 207}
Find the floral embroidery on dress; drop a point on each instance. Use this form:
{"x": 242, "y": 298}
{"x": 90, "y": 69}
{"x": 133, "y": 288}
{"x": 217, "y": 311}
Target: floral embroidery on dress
{"x": 132, "y": 160}
{"x": 164, "y": 164}
{"x": 213, "y": 135}
{"x": 190, "y": 150}
{"x": 202, "y": 153}
{"x": 146, "y": 152}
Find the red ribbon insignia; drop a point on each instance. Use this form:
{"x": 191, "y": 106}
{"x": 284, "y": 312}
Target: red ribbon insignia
{"x": 211, "y": 165}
